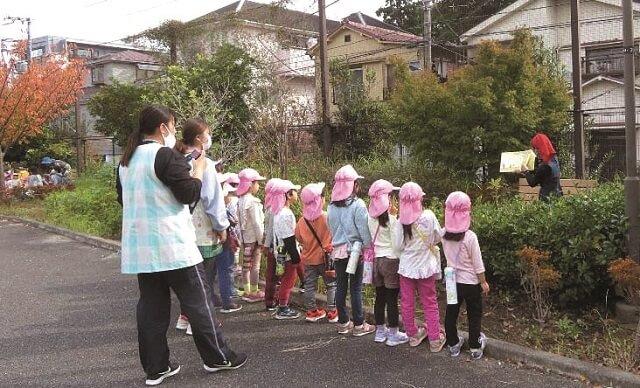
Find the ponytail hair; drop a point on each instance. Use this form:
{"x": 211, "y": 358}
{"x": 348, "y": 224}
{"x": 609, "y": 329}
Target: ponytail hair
{"x": 151, "y": 117}
{"x": 407, "y": 231}
{"x": 191, "y": 129}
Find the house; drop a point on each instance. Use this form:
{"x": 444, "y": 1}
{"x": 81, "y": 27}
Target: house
{"x": 105, "y": 63}
{"x": 276, "y": 35}
{"x": 128, "y": 66}
{"x": 369, "y": 45}
{"x": 601, "y": 56}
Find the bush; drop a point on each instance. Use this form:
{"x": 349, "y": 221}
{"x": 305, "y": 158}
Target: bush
{"x": 91, "y": 208}
{"x": 583, "y": 233}
{"x": 625, "y": 274}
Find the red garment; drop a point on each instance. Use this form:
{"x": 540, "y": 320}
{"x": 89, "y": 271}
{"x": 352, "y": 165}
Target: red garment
{"x": 545, "y": 149}
{"x": 287, "y": 281}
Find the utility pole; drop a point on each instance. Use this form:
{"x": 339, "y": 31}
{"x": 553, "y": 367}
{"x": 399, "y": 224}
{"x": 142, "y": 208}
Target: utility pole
{"x": 23, "y": 20}
{"x": 578, "y": 124}
{"x": 427, "y": 34}
{"x": 324, "y": 79}
{"x": 631, "y": 182}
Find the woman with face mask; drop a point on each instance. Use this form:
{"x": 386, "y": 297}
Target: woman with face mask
{"x": 157, "y": 191}
{"x": 209, "y": 216}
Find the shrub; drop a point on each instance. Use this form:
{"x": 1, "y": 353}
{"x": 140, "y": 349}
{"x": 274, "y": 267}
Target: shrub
{"x": 538, "y": 279}
{"x": 582, "y": 233}
{"x": 625, "y": 273}
{"x": 91, "y": 208}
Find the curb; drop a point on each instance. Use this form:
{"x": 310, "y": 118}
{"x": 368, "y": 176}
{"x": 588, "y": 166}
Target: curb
{"x": 81, "y": 237}
{"x": 546, "y": 361}
{"x": 497, "y": 349}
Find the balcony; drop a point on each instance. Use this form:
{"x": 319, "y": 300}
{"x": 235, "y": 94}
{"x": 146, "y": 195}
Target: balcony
{"x": 610, "y": 65}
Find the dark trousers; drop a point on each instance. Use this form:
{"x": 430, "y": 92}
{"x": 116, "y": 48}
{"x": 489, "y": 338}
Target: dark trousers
{"x": 471, "y": 295}
{"x": 153, "y": 316}
{"x": 353, "y": 282}
{"x": 386, "y": 297}
{"x": 211, "y": 271}
{"x": 270, "y": 297}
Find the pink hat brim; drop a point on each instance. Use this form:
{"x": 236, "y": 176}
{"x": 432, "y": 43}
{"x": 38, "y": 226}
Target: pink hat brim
{"x": 378, "y": 205}
{"x": 342, "y": 190}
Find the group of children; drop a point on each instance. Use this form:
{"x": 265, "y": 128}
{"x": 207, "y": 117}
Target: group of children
{"x": 392, "y": 243}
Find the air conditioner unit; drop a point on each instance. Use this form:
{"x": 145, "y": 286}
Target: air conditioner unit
{"x": 21, "y": 67}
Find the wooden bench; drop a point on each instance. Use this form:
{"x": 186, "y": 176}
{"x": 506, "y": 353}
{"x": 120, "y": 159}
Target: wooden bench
{"x": 569, "y": 187}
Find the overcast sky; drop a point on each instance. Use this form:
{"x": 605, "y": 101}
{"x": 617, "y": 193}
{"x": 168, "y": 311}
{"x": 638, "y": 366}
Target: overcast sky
{"x": 107, "y": 20}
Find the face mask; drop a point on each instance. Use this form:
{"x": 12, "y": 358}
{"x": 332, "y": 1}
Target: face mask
{"x": 207, "y": 144}
{"x": 169, "y": 140}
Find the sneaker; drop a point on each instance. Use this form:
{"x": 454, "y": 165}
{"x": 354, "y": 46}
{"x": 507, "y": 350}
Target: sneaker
{"x": 397, "y": 338}
{"x": 158, "y": 378}
{"x": 364, "y": 329}
{"x": 272, "y": 307}
{"x": 477, "y": 354}
{"x": 286, "y": 312}
{"x": 235, "y": 362}
{"x": 381, "y": 334}
{"x": 315, "y": 315}
{"x": 301, "y": 290}
{"x": 254, "y": 297}
{"x": 189, "y": 331}
{"x": 416, "y": 340}
{"x": 232, "y": 308}
{"x": 455, "y": 349}
{"x": 345, "y": 328}
{"x": 332, "y": 316}
{"x": 437, "y": 345}
{"x": 183, "y": 322}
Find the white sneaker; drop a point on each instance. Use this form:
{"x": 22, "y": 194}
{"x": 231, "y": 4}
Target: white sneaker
{"x": 189, "y": 331}
{"x": 476, "y": 354}
{"x": 397, "y": 338}
{"x": 381, "y": 334}
{"x": 183, "y": 322}
{"x": 455, "y": 349}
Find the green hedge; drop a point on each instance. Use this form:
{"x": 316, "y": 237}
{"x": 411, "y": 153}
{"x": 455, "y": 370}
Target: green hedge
{"x": 91, "y": 208}
{"x": 583, "y": 233}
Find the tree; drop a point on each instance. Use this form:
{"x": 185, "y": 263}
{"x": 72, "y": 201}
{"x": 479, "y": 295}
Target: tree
{"x": 494, "y": 105}
{"x": 33, "y": 98}
{"x": 449, "y": 18}
{"x": 406, "y": 14}
{"x": 116, "y": 107}
{"x": 212, "y": 88}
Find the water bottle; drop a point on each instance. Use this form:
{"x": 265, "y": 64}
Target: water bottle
{"x": 450, "y": 284}
{"x": 354, "y": 258}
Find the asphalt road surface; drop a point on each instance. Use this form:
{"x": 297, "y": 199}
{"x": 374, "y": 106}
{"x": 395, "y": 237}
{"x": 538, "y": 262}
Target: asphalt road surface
{"x": 69, "y": 320}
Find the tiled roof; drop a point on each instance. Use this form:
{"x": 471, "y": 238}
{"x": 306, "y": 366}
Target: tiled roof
{"x": 269, "y": 14}
{"x": 128, "y": 56}
{"x": 383, "y": 34}
{"x": 361, "y": 18}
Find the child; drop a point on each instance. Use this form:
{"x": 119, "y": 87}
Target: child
{"x": 251, "y": 223}
{"x": 347, "y": 217}
{"x": 283, "y": 195}
{"x": 225, "y": 262}
{"x": 417, "y": 235}
{"x": 271, "y": 278}
{"x": 312, "y": 232}
{"x": 232, "y": 180}
{"x": 382, "y": 224}
{"x": 463, "y": 254}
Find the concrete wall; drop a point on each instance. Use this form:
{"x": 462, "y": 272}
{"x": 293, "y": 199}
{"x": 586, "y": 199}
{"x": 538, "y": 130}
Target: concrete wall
{"x": 122, "y": 72}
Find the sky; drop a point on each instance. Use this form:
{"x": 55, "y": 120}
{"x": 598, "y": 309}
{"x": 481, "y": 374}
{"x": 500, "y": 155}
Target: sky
{"x": 109, "y": 20}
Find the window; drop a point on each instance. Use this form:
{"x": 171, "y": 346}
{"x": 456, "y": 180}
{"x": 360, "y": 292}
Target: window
{"x": 82, "y": 53}
{"x": 97, "y": 75}
{"x": 609, "y": 60}
{"x": 37, "y": 52}
{"x": 143, "y": 74}
{"x": 347, "y": 38}
{"x": 344, "y": 91}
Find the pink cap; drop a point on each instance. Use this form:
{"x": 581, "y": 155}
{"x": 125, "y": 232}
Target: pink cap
{"x": 227, "y": 188}
{"x": 247, "y": 177}
{"x": 311, "y": 198}
{"x": 267, "y": 192}
{"x": 232, "y": 178}
{"x": 410, "y": 203}
{"x": 379, "y": 194}
{"x": 279, "y": 191}
{"x": 457, "y": 212}
{"x": 344, "y": 182}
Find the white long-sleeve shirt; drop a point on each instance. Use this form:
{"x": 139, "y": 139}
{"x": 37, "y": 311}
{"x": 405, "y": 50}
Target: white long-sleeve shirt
{"x": 420, "y": 255}
{"x": 385, "y": 243}
{"x": 250, "y": 219}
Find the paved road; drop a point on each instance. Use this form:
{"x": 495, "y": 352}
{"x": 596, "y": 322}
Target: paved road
{"x": 69, "y": 321}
